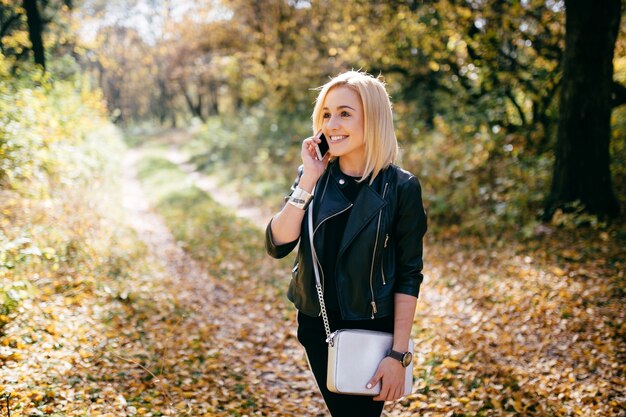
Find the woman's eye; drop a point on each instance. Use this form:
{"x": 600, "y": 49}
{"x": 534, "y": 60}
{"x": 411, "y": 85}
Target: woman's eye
{"x": 326, "y": 115}
{"x": 345, "y": 114}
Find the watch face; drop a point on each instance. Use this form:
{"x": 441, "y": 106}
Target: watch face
{"x": 406, "y": 359}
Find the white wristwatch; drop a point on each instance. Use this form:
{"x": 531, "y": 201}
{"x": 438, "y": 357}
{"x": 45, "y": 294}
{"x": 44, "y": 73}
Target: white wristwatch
{"x": 300, "y": 198}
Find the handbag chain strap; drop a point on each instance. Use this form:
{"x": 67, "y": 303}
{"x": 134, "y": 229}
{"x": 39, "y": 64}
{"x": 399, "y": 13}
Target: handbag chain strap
{"x": 318, "y": 283}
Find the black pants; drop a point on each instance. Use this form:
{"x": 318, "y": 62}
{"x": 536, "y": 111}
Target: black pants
{"x": 312, "y": 336}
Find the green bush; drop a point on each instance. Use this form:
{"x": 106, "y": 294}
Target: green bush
{"x": 260, "y": 153}
{"x": 42, "y": 121}
{"x": 48, "y": 153}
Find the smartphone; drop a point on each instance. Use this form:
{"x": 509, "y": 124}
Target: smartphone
{"x": 322, "y": 147}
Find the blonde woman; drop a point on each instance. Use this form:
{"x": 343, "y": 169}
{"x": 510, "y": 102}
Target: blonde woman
{"x": 368, "y": 222}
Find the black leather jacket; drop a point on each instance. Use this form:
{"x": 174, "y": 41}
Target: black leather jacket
{"x": 381, "y": 250}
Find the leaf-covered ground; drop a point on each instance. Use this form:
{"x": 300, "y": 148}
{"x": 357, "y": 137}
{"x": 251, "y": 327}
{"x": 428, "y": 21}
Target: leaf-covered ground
{"x": 534, "y": 328}
{"x": 155, "y": 300}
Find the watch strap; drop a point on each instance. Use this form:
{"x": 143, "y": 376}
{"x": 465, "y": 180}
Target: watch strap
{"x": 400, "y": 356}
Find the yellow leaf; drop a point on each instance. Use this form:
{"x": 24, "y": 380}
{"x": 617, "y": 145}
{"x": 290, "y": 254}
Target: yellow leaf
{"x": 433, "y": 66}
{"x": 571, "y": 255}
{"x": 85, "y": 354}
{"x": 447, "y": 363}
{"x": 496, "y": 403}
{"x": 36, "y": 396}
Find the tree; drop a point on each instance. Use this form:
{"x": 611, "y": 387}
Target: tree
{"x": 582, "y": 158}
{"x": 35, "y": 29}
{"x": 23, "y": 25}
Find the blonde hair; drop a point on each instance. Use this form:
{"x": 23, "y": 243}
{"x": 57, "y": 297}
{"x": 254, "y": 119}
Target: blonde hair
{"x": 381, "y": 145}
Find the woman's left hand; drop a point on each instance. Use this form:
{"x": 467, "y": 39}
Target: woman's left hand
{"x": 391, "y": 374}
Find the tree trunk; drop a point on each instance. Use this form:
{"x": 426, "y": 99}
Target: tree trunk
{"x": 195, "y": 109}
{"x": 582, "y": 160}
{"x": 35, "y": 30}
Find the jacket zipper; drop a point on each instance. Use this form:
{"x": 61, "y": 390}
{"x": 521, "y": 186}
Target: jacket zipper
{"x": 330, "y": 217}
{"x": 382, "y": 262}
{"x": 380, "y": 215}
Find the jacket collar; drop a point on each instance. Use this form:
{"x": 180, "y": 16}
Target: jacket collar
{"x": 367, "y": 205}
{"x": 328, "y": 191}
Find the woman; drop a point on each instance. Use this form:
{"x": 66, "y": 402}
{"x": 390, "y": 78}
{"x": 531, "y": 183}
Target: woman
{"x": 368, "y": 222}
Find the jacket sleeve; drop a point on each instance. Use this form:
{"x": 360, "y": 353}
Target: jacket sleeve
{"x": 280, "y": 251}
{"x": 410, "y": 227}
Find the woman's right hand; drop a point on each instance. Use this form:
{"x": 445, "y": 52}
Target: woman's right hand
{"x": 286, "y": 225}
{"x": 313, "y": 167}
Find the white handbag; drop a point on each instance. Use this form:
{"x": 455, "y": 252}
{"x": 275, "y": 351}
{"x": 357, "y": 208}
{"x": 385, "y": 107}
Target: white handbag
{"x": 353, "y": 358}
{"x": 353, "y": 354}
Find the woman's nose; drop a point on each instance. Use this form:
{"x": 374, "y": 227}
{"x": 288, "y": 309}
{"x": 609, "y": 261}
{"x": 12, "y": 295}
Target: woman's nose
{"x": 333, "y": 122}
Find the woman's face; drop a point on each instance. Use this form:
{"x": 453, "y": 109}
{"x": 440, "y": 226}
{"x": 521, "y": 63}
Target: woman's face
{"x": 343, "y": 121}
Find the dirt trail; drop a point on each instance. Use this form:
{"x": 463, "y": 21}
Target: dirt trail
{"x": 254, "y": 341}
{"x": 225, "y": 197}
{"x": 152, "y": 230}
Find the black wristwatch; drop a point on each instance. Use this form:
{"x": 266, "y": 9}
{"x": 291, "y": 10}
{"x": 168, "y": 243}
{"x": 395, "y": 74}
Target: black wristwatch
{"x": 404, "y": 358}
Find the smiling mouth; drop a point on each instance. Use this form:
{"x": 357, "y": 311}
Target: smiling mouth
{"x": 335, "y": 139}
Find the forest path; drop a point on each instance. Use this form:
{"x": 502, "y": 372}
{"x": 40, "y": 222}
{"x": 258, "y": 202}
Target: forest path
{"x": 255, "y": 345}
{"x": 227, "y": 197}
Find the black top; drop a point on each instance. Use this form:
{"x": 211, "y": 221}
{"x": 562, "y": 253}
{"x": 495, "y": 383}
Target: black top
{"x": 335, "y": 228}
